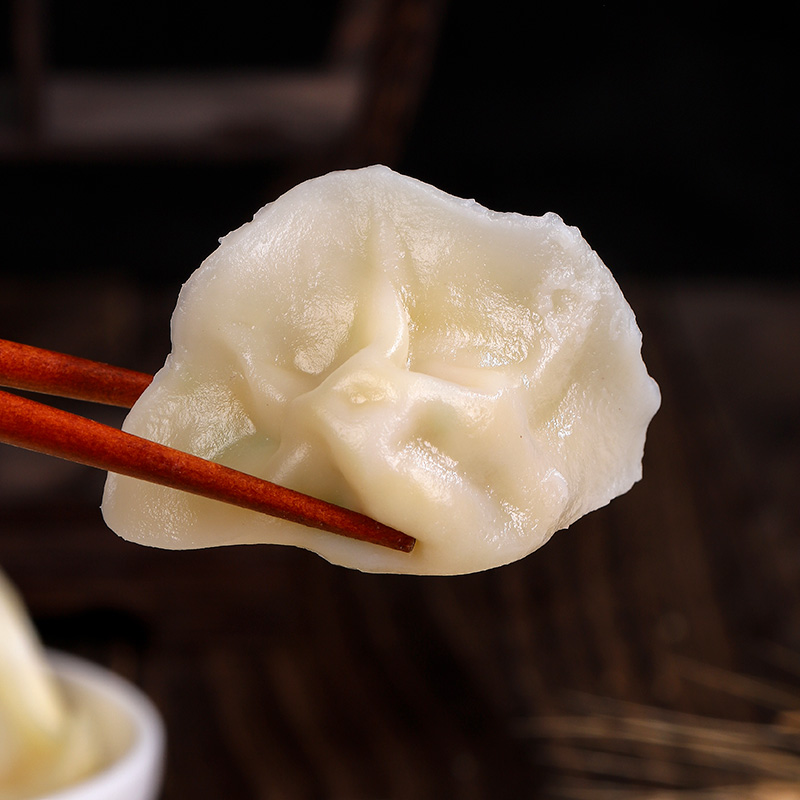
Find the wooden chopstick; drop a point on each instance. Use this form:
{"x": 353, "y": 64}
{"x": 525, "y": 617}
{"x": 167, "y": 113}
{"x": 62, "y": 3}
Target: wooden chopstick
{"x": 34, "y": 426}
{"x": 25, "y": 367}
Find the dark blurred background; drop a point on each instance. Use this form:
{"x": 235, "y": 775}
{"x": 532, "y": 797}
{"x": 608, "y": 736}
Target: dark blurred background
{"x": 654, "y": 647}
{"x": 667, "y": 136}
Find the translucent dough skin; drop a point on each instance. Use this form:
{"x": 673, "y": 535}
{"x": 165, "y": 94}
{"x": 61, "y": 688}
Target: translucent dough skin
{"x": 469, "y": 377}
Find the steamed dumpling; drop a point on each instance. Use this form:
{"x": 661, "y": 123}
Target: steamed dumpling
{"x": 471, "y": 378}
{"x": 46, "y": 743}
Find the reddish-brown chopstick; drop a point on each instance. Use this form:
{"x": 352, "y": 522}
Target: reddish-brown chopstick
{"x": 35, "y": 426}
{"x": 26, "y": 367}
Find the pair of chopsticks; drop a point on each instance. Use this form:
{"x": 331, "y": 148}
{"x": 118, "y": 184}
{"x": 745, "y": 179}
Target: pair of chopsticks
{"x": 34, "y": 426}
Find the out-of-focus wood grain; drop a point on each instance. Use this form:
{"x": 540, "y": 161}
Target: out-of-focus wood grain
{"x": 281, "y": 676}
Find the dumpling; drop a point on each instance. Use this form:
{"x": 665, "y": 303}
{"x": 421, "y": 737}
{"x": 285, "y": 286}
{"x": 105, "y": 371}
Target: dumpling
{"x": 471, "y": 378}
{"x": 46, "y": 742}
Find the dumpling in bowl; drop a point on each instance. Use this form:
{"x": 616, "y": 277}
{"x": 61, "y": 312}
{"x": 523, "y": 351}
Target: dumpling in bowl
{"x": 47, "y": 741}
{"x": 469, "y": 377}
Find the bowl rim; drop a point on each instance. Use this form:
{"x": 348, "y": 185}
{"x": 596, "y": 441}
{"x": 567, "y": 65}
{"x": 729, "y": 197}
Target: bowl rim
{"x": 143, "y": 761}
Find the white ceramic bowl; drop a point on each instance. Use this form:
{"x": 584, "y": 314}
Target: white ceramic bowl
{"x": 130, "y": 725}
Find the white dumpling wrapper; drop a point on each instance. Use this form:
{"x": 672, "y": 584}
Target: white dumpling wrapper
{"x": 469, "y": 377}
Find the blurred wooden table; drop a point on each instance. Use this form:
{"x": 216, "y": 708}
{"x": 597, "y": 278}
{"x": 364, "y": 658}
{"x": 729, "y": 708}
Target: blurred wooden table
{"x": 280, "y": 676}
